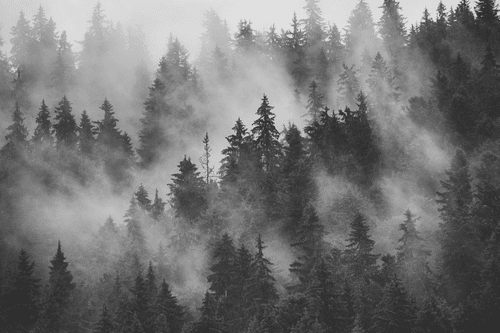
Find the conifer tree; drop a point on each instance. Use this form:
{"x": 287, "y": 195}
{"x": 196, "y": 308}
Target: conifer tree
{"x": 232, "y": 163}
{"x": 205, "y": 159}
{"x": 261, "y": 289}
{"x": 157, "y": 207}
{"x": 396, "y": 311}
{"x": 360, "y": 30}
{"x": 42, "y": 133}
{"x": 141, "y": 195}
{"x": 266, "y": 136}
{"x": 209, "y": 322}
{"x": 412, "y": 258}
{"x": 86, "y": 131}
{"x": 188, "y": 191}
{"x": 55, "y": 316}
{"x": 348, "y": 87}
{"x": 153, "y": 140}
{"x": 20, "y": 306}
{"x": 313, "y": 24}
{"x": 108, "y": 135}
{"x": 314, "y": 101}
{"x": 105, "y": 323}
{"x": 63, "y": 76}
{"x": 223, "y": 268}
{"x": 244, "y": 38}
{"x": 459, "y": 238}
{"x": 65, "y": 129}
{"x": 136, "y": 241}
{"x": 16, "y": 138}
{"x": 22, "y": 42}
{"x": 362, "y": 262}
{"x": 166, "y": 304}
{"x": 309, "y": 244}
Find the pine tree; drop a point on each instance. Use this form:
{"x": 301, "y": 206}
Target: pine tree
{"x": 188, "y": 191}
{"x": 244, "y": 38}
{"x": 294, "y": 41}
{"x": 396, "y": 311}
{"x": 136, "y": 241}
{"x": 157, "y": 207}
{"x": 223, "y": 267}
{"x": 86, "y": 132}
{"x": 63, "y": 76}
{"x": 313, "y": 24}
{"x": 348, "y": 87}
{"x": 22, "y": 42}
{"x": 108, "y": 135}
{"x": 21, "y": 308}
{"x": 309, "y": 244}
{"x": 105, "y": 323}
{"x": 166, "y": 304}
{"x": 209, "y": 322}
{"x": 360, "y": 30}
{"x": 205, "y": 159}
{"x": 55, "y": 316}
{"x": 233, "y": 162}
{"x": 65, "y": 129}
{"x": 362, "y": 262}
{"x": 16, "y": 144}
{"x": 412, "y": 258}
{"x": 153, "y": 140}
{"x": 266, "y": 136}
{"x": 261, "y": 285}
{"x": 141, "y": 195}
{"x": 314, "y": 101}
{"x": 459, "y": 238}
{"x": 43, "y": 131}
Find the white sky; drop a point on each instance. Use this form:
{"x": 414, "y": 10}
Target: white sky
{"x": 183, "y": 18}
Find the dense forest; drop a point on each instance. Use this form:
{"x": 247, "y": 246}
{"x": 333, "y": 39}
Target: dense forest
{"x": 372, "y": 206}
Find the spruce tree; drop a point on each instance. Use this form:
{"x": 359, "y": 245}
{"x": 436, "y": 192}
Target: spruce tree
{"x": 105, "y": 323}
{"x": 55, "y": 315}
{"x": 16, "y": 144}
{"x": 314, "y": 101}
{"x": 348, "y": 87}
{"x": 166, "y": 304}
{"x": 459, "y": 238}
{"x": 21, "y": 304}
{"x": 108, "y": 135}
{"x": 86, "y": 132}
{"x": 396, "y": 311}
{"x": 308, "y": 244}
{"x": 313, "y": 24}
{"x": 65, "y": 129}
{"x": 223, "y": 267}
{"x": 63, "y": 76}
{"x": 188, "y": 191}
{"x": 361, "y": 261}
{"x": 43, "y": 131}
{"x": 141, "y": 195}
{"x": 136, "y": 241}
{"x": 209, "y": 322}
{"x": 266, "y": 136}
{"x": 157, "y": 207}
{"x": 261, "y": 288}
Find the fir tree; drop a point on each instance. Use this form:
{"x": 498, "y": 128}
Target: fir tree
{"x": 459, "y": 239}
{"x": 86, "y": 131}
{"x": 188, "y": 191}
{"x": 65, "y": 129}
{"x": 42, "y": 134}
{"x": 205, "y": 159}
{"x": 21, "y": 308}
{"x": 55, "y": 316}
{"x": 166, "y": 304}
{"x": 141, "y": 195}
{"x": 313, "y": 24}
{"x": 136, "y": 241}
{"x": 105, "y": 323}
{"x": 261, "y": 285}
{"x": 157, "y": 207}
{"x": 63, "y": 76}
{"x": 16, "y": 138}
{"x": 244, "y": 38}
{"x": 209, "y": 322}
{"x": 222, "y": 269}
{"x": 396, "y": 311}
{"x": 108, "y": 135}
{"x": 348, "y": 86}
{"x": 309, "y": 244}
{"x": 266, "y": 136}
{"x": 314, "y": 101}
{"x": 362, "y": 262}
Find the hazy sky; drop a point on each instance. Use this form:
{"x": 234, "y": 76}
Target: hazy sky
{"x": 183, "y": 18}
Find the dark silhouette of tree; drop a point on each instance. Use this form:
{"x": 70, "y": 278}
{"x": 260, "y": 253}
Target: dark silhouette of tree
{"x": 15, "y": 147}
{"x": 105, "y": 323}
{"x": 86, "y": 131}
{"x": 65, "y": 129}
{"x": 188, "y": 191}
{"x": 166, "y": 304}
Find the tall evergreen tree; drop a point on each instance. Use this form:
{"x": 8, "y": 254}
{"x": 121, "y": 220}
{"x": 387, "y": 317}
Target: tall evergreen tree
{"x": 65, "y": 129}
{"x": 43, "y": 131}
{"x": 362, "y": 262}
{"x": 166, "y": 304}
{"x": 314, "y": 101}
{"x": 142, "y": 197}
{"x": 188, "y": 191}
{"x": 105, "y": 323}
{"x": 86, "y": 132}
{"x": 16, "y": 144}
{"x": 63, "y": 72}
{"x": 266, "y": 136}
{"x": 21, "y": 304}
{"x": 55, "y": 315}
{"x": 459, "y": 238}
{"x": 313, "y": 24}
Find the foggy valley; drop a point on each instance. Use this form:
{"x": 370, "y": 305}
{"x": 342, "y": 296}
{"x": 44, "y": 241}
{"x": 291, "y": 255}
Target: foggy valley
{"x": 300, "y": 175}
